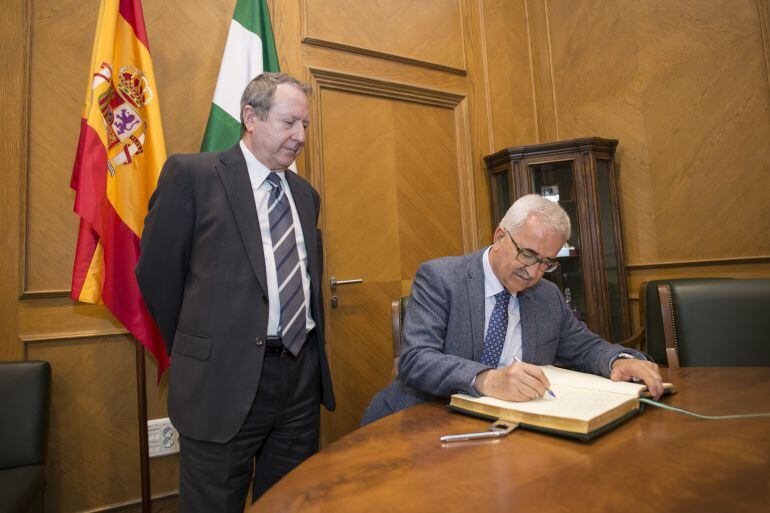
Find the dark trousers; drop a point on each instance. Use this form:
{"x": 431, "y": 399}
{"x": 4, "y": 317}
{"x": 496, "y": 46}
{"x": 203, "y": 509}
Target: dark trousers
{"x": 280, "y": 432}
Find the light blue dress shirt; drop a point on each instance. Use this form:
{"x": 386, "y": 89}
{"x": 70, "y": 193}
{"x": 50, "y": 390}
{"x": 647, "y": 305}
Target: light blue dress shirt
{"x": 492, "y": 286}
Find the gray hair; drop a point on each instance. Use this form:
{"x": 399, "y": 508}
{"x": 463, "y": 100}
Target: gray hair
{"x": 260, "y": 92}
{"x": 547, "y": 211}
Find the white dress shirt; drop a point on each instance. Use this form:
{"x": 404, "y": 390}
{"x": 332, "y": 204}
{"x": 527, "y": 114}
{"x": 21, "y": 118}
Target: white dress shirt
{"x": 257, "y": 174}
{"x": 512, "y": 345}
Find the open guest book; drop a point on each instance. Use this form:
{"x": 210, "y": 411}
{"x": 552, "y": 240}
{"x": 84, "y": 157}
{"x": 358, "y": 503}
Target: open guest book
{"x": 585, "y": 405}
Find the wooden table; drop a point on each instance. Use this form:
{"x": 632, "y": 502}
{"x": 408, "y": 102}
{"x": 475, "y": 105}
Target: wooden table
{"x": 657, "y": 461}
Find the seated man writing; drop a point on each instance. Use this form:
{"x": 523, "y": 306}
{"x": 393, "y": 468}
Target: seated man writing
{"x": 482, "y": 323}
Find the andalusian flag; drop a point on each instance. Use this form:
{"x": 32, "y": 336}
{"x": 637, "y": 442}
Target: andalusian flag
{"x": 250, "y": 50}
{"x": 119, "y": 157}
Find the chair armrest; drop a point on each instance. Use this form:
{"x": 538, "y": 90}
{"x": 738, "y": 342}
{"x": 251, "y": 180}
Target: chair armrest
{"x": 395, "y": 322}
{"x": 635, "y": 341}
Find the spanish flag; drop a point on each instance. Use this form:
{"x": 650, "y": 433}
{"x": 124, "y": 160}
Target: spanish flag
{"x": 119, "y": 157}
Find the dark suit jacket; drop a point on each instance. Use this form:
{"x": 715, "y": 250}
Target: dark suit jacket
{"x": 444, "y": 335}
{"x": 202, "y": 275}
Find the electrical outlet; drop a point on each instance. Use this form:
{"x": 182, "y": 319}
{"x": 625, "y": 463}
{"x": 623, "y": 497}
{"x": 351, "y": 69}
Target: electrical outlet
{"x": 162, "y": 437}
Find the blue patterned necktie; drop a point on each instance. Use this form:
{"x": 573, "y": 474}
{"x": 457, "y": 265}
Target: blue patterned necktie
{"x": 498, "y": 325}
{"x": 287, "y": 267}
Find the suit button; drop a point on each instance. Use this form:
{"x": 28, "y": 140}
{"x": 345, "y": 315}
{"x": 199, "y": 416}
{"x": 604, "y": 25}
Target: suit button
{"x": 259, "y": 341}
{"x": 264, "y": 299}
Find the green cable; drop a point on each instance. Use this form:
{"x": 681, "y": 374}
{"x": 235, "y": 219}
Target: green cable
{"x": 707, "y": 417}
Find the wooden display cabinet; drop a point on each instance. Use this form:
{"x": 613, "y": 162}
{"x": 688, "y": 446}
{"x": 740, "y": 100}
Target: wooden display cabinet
{"x": 579, "y": 174}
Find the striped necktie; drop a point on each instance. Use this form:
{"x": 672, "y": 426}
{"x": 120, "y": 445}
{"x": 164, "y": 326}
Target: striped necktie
{"x": 287, "y": 267}
{"x": 498, "y": 326}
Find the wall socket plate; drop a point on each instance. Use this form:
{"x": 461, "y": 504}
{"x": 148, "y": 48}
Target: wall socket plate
{"x": 162, "y": 437}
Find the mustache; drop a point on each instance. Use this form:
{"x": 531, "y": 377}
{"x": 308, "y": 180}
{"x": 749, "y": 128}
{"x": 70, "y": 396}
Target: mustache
{"x": 523, "y": 274}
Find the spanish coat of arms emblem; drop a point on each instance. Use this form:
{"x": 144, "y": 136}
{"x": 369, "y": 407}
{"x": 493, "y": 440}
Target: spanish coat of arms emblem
{"x": 121, "y": 102}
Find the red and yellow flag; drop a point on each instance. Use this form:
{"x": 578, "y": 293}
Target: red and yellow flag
{"x": 119, "y": 157}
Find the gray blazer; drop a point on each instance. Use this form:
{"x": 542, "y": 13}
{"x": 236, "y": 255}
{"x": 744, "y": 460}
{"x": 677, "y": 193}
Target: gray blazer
{"x": 444, "y": 335}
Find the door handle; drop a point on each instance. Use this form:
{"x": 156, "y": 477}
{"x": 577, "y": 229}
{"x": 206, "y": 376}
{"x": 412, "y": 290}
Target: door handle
{"x": 334, "y": 282}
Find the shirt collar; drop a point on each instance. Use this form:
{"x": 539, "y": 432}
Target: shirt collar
{"x": 257, "y": 170}
{"x": 492, "y": 285}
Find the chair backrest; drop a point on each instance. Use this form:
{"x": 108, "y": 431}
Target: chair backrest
{"x": 397, "y": 313}
{"x": 650, "y": 314}
{"x": 25, "y": 391}
{"x": 715, "y": 322}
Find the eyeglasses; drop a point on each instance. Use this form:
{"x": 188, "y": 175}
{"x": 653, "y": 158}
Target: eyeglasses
{"x": 527, "y": 257}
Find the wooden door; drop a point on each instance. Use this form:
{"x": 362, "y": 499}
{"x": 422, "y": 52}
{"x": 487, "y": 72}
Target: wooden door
{"x": 391, "y": 200}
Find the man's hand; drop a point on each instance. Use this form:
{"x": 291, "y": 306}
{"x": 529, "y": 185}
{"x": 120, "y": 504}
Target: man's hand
{"x": 517, "y": 382}
{"x": 626, "y": 369}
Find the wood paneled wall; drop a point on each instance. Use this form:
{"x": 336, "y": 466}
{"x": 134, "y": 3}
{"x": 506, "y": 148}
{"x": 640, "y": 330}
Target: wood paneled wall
{"x": 684, "y": 86}
{"x": 404, "y": 50}
{"x": 14, "y": 53}
{"x": 93, "y": 445}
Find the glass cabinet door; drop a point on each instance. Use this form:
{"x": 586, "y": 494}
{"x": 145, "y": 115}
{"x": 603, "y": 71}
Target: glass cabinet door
{"x": 556, "y": 182}
{"x": 610, "y": 245}
{"x": 501, "y": 194}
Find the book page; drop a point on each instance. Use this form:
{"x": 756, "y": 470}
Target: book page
{"x": 566, "y": 377}
{"x": 570, "y": 402}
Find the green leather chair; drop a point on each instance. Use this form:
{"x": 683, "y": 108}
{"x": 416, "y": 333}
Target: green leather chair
{"x": 650, "y": 314}
{"x": 708, "y": 322}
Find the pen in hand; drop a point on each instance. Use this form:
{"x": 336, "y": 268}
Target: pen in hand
{"x": 550, "y": 392}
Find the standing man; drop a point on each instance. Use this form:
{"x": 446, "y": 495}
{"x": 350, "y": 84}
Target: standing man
{"x": 483, "y": 323}
{"x": 230, "y": 269}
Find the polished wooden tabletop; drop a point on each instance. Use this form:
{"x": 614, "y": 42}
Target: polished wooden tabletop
{"x": 657, "y": 461}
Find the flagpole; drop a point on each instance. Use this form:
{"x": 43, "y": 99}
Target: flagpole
{"x": 144, "y": 447}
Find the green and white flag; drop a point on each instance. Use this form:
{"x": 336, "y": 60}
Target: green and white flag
{"x": 250, "y": 50}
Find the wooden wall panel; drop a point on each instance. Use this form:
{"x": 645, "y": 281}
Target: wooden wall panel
{"x": 60, "y": 317}
{"x": 707, "y": 107}
{"x": 474, "y": 136}
{"x": 598, "y": 88}
{"x": 349, "y": 161}
{"x": 509, "y": 59}
{"x": 391, "y": 71}
{"x": 14, "y": 46}
{"x": 683, "y": 86}
{"x": 93, "y": 445}
{"x": 717, "y": 269}
{"x": 403, "y": 162}
{"x": 62, "y": 36}
{"x": 426, "y": 164}
{"x": 428, "y": 32}
{"x": 187, "y": 39}
{"x": 543, "y": 87}
{"x": 763, "y": 11}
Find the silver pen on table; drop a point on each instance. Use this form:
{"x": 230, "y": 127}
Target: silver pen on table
{"x": 498, "y": 429}
{"x": 547, "y": 389}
